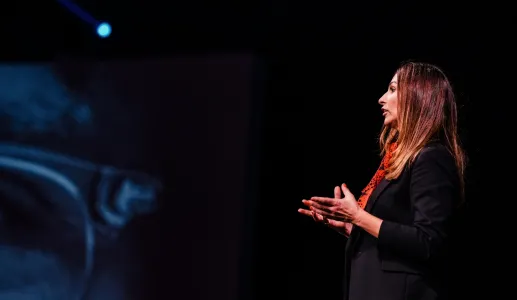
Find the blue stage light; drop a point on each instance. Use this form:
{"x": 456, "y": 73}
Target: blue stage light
{"x": 103, "y": 29}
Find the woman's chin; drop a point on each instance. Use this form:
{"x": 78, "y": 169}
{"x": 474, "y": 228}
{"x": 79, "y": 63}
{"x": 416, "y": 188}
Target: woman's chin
{"x": 388, "y": 122}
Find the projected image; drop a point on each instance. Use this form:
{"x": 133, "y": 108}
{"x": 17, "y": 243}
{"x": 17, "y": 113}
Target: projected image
{"x": 63, "y": 205}
{"x": 105, "y": 166}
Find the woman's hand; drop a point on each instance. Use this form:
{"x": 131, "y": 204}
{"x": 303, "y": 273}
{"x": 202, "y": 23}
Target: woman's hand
{"x": 340, "y": 226}
{"x": 344, "y": 209}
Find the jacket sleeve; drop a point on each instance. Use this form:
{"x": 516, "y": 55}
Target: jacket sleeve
{"x": 434, "y": 189}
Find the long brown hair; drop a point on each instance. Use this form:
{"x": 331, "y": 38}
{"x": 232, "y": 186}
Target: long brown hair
{"x": 426, "y": 111}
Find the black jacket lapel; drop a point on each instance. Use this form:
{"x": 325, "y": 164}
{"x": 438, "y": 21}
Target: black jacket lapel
{"x": 376, "y": 193}
{"x": 354, "y": 235}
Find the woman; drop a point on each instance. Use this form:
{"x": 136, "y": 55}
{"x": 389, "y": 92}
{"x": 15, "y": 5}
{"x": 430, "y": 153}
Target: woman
{"x": 400, "y": 227}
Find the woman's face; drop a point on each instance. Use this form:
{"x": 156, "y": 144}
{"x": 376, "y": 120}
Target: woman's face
{"x": 388, "y": 101}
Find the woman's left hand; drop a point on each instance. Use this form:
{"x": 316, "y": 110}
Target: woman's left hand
{"x": 345, "y": 209}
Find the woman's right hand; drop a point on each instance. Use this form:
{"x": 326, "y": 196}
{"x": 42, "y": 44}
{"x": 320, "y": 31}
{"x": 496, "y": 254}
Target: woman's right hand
{"x": 341, "y": 227}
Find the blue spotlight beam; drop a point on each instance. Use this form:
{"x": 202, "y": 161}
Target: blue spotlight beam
{"x": 81, "y": 13}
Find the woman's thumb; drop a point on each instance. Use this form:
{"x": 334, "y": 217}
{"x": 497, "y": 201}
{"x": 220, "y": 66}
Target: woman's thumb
{"x": 346, "y": 191}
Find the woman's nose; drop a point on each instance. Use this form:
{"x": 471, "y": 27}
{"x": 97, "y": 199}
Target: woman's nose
{"x": 382, "y": 100}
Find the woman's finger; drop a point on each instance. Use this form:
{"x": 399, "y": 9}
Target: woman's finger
{"x": 335, "y": 223}
{"x": 346, "y": 191}
{"x": 305, "y": 212}
{"x": 319, "y": 206}
{"x": 322, "y": 212}
{"x": 316, "y": 217}
{"x": 306, "y": 202}
{"x": 324, "y": 200}
{"x": 337, "y": 192}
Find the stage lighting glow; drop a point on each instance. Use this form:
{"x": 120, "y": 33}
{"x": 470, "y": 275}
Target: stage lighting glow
{"x": 104, "y": 29}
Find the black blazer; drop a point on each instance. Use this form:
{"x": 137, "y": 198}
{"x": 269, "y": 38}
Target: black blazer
{"x": 409, "y": 259}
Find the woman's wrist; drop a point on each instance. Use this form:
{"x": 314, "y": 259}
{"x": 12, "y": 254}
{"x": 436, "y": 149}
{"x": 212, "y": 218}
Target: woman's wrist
{"x": 358, "y": 217}
{"x": 367, "y": 222}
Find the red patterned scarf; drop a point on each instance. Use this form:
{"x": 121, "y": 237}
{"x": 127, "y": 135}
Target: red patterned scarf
{"x": 379, "y": 175}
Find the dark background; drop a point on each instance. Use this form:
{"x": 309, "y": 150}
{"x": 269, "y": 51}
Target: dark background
{"x": 319, "y": 69}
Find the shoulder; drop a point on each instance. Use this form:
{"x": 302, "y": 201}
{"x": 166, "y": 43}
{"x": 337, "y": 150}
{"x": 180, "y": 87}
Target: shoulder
{"x": 435, "y": 157}
{"x": 435, "y": 152}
